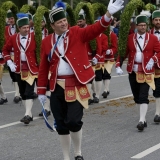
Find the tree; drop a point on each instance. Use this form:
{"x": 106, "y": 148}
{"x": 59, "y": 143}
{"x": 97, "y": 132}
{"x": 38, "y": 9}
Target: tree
{"x": 18, "y": 3}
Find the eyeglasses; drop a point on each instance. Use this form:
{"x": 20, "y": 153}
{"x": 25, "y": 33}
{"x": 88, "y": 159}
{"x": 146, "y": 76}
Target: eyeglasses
{"x": 142, "y": 25}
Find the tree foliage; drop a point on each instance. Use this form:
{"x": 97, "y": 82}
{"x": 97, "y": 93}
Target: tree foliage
{"x": 125, "y": 24}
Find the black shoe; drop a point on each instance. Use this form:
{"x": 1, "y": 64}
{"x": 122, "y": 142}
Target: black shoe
{"x": 2, "y": 101}
{"x": 108, "y": 93}
{"x": 26, "y": 119}
{"x": 48, "y": 113}
{"x": 157, "y": 119}
{"x": 94, "y": 95}
{"x": 96, "y": 100}
{"x": 41, "y": 114}
{"x": 17, "y": 99}
{"x": 79, "y": 158}
{"x": 90, "y": 101}
{"x": 104, "y": 94}
{"x": 141, "y": 126}
{"x": 145, "y": 124}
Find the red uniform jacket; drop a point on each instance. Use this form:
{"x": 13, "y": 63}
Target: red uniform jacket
{"x": 14, "y": 42}
{"x": 75, "y": 54}
{"x": 104, "y": 44}
{"x": 157, "y": 64}
{"x": 113, "y": 47}
{"x": 151, "y": 46}
{"x": 98, "y": 49}
{"x": 7, "y": 35}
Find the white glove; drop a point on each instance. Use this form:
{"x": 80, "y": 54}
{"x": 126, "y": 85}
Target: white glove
{"x": 150, "y": 64}
{"x": 42, "y": 98}
{"x": 115, "y": 7}
{"x": 11, "y": 65}
{"x": 119, "y": 71}
{"x": 95, "y": 61}
{"x": 108, "y": 52}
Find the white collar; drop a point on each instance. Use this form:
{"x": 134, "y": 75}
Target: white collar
{"x": 13, "y": 26}
{"x": 143, "y": 36}
{"x": 24, "y": 36}
{"x": 56, "y": 35}
{"x": 156, "y": 30}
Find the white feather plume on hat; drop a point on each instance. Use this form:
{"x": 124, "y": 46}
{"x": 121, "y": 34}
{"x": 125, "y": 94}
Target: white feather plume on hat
{"x": 146, "y": 13}
{"x": 9, "y": 11}
{"x": 81, "y": 12}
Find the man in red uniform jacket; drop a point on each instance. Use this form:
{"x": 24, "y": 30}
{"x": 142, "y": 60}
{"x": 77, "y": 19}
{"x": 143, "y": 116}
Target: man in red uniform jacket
{"x": 64, "y": 55}
{"x": 9, "y": 31}
{"x": 25, "y": 64}
{"x": 141, "y": 49}
{"x": 93, "y": 57}
{"x": 156, "y": 93}
{"x": 109, "y": 61}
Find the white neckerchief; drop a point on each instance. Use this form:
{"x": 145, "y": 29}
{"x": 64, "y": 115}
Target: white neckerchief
{"x": 64, "y": 68}
{"x": 23, "y": 43}
{"x": 13, "y": 30}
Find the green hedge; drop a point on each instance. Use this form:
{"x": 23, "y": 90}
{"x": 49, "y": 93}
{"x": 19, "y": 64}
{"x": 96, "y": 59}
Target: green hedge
{"x": 41, "y": 11}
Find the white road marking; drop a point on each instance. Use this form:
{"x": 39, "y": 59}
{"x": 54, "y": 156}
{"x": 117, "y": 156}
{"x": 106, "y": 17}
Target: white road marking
{"x": 146, "y": 152}
{"x": 120, "y": 75}
{"x": 10, "y": 92}
{"x": 116, "y": 98}
{"x": 15, "y": 123}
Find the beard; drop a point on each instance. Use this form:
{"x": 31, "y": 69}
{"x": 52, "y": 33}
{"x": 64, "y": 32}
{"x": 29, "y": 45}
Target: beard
{"x": 157, "y": 26}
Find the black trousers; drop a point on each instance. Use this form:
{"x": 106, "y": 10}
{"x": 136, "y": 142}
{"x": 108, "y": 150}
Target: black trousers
{"x": 102, "y": 76}
{"x": 26, "y": 90}
{"x": 156, "y": 92}
{"x": 68, "y": 115}
{"x": 139, "y": 90}
{"x": 12, "y": 75}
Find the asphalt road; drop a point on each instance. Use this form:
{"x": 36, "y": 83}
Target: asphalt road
{"x": 109, "y": 131}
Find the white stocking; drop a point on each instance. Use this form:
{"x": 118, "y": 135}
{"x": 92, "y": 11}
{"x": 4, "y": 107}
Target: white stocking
{"x": 2, "y": 92}
{"x": 106, "y": 85}
{"x": 143, "y": 112}
{"x": 29, "y": 104}
{"x": 65, "y": 141}
{"x": 16, "y": 89}
{"x": 89, "y": 89}
{"x": 77, "y": 139}
{"x": 98, "y": 88}
{"x": 157, "y": 106}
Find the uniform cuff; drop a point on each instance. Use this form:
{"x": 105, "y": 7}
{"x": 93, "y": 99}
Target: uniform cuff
{"x": 106, "y": 18}
{"x": 41, "y": 90}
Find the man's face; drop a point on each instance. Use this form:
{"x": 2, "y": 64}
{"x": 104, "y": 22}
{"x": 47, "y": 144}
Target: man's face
{"x": 156, "y": 22}
{"x": 60, "y": 26}
{"x": 24, "y": 30}
{"x": 43, "y": 24}
{"x": 81, "y": 23}
{"x": 141, "y": 28}
{"x": 11, "y": 21}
